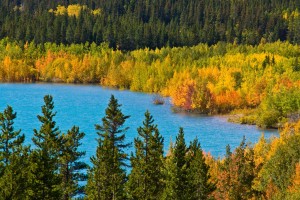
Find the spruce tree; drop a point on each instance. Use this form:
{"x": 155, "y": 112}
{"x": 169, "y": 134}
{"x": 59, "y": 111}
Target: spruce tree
{"x": 10, "y": 140}
{"x": 70, "y": 166}
{"x": 107, "y": 176}
{"x": 14, "y": 182}
{"x": 200, "y": 187}
{"x": 14, "y": 163}
{"x": 177, "y": 183}
{"x": 146, "y": 178}
{"x": 45, "y": 158}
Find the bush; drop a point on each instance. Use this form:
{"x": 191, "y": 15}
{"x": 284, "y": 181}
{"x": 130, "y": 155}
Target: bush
{"x": 268, "y": 118}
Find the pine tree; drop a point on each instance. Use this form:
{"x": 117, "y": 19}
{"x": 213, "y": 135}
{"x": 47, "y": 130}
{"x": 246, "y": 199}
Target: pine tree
{"x": 146, "y": 178}
{"x": 14, "y": 156}
{"x": 45, "y": 158}
{"x": 107, "y": 176}
{"x": 198, "y": 173}
{"x": 177, "y": 183}
{"x": 10, "y": 139}
{"x": 156, "y": 166}
{"x": 70, "y": 166}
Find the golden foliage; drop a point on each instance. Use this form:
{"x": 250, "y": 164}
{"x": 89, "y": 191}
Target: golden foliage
{"x": 181, "y": 89}
{"x": 73, "y": 10}
{"x": 242, "y": 78}
{"x": 295, "y": 183}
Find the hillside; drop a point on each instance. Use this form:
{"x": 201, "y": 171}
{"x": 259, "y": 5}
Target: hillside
{"x": 133, "y": 24}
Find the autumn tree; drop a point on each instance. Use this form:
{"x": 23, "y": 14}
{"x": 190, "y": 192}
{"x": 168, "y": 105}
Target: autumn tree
{"x": 278, "y": 174}
{"x": 225, "y": 177}
{"x": 237, "y": 174}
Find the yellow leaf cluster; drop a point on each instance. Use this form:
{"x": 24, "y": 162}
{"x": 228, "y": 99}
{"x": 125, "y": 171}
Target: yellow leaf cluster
{"x": 73, "y": 10}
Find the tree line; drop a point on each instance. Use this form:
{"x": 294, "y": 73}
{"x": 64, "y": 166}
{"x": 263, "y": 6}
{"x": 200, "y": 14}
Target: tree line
{"x": 261, "y": 81}
{"x": 132, "y": 24}
{"x": 53, "y": 169}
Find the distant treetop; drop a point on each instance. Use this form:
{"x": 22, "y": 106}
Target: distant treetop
{"x": 132, "y": 24}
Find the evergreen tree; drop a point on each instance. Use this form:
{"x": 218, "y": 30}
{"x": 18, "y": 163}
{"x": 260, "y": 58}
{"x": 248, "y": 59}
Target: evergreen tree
{"x": 177, "y": 183}
{"x": 45, "y": 158}
{"x": 151, "y": 24}
{"x": 70, "y": 166}
{"x": 107, "y": 176}
{"x": 10, "y": 139}
{"x": 146, "y": 178}
{"x": 200, "y": 187}
{"x": 14, "y": 182}
{"x": 14, "y": 156}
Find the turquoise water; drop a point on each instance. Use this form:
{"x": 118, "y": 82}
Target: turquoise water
{"x": 84, "y": 106}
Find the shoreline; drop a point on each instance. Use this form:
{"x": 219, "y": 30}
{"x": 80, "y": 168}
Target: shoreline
{"x": 233, "y": 117}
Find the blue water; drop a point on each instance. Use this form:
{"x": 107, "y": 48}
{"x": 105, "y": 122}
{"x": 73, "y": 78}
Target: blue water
{"x": 84, "y": 106}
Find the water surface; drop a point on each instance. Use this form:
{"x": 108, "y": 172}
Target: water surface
{"x": 84, "y": 106}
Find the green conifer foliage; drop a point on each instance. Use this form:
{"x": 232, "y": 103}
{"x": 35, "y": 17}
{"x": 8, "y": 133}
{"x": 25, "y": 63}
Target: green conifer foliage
{"x": 10, "y": 140}
{"x": 200, "y": 187}
{"x": 70, "y": 165}
{"x": 45, "y": 158}
{"x": 13, "y": 158}
{"x": 14, "y": 182}
{"x": 146, "y": 178}
{"x": 107, "y": 176}
{"x": 177, "y": 183}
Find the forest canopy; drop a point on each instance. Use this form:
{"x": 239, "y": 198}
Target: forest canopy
{"x": 132, "y": 24}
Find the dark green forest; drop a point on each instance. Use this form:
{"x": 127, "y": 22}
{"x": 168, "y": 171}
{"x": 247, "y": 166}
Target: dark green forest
{"x": 134, "y": 24}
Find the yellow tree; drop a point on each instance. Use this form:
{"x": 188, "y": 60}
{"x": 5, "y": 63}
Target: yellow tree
{"x": 181, "y": 89}
{"x": 7, "y": 66}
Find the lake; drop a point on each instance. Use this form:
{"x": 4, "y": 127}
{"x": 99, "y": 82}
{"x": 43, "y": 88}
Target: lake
{"x": 84, "y": 106}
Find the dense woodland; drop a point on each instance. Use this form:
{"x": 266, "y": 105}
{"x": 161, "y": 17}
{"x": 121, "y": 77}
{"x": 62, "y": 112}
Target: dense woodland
{"x": 210, "y": 56}
{"x": 261, "y": 82}
{"x": 134, "y": 24}
{"x": 52, "y": 168}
